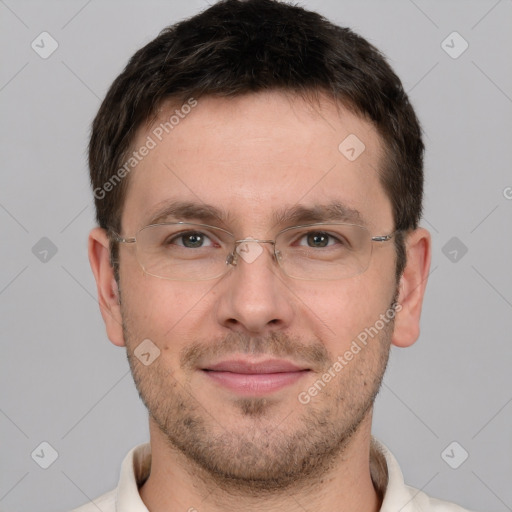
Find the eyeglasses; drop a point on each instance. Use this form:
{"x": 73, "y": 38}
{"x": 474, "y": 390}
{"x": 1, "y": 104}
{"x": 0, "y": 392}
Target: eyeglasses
{"x": 184, "y": 251}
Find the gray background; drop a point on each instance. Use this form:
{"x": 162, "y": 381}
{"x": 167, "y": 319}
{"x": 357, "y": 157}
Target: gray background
{"x": 63, "y": 382}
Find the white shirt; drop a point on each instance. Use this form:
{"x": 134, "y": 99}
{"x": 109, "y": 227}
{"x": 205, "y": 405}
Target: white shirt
{"x": 136, "y": 466}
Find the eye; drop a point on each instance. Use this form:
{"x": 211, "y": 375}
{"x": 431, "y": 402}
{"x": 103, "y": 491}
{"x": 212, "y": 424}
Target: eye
{"x": 190, "y": 240}
{"x": 319, "y": 239}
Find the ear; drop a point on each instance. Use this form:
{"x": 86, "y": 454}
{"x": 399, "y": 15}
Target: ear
{"x": 412, "y": 288}
{"x": 108, "y": 293}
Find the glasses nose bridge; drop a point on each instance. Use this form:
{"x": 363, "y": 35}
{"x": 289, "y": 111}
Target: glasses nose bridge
{"x": 256, "y": 240}
{"x": 232, "y": 258}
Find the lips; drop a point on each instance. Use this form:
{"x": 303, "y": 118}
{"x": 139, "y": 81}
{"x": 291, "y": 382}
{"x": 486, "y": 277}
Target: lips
{"x": 248, "y": 367}
{"x": 254, "y": 378}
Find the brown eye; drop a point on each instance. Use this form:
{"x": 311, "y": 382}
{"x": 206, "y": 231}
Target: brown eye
{"x": 317, "y": 239}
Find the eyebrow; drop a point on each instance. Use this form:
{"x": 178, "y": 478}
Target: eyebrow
{"x": 186, "y": 210}
{"x": 333, "y": 211}
{"x": 336, "y": 211}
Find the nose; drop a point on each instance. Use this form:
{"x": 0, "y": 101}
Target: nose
{"x": 254, "y": 297}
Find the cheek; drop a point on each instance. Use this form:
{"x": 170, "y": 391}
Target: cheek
{"x": 343, "y": 309}
{"x": 151, "y": 314}
{"x": 149, "y": 309}
{"x": 164, "y": 311}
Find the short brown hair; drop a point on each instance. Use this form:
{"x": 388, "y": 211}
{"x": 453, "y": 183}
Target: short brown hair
{"x": 238, "y": 47}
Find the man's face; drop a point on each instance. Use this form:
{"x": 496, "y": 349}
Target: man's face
{"x": 252, "y": 156}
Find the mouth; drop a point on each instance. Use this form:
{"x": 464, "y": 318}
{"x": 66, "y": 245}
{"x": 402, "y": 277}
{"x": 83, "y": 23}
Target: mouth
{"x": 254, "y": 378}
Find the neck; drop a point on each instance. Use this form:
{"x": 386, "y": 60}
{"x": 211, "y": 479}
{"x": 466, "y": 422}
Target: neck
{"x": 177, "y": 484}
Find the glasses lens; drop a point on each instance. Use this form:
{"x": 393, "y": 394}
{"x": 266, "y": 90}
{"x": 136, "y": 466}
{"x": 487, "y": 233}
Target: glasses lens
{"x": 196, "y": 252}
{"x": 183, "y": 251}
{"x": 324, "y": 251}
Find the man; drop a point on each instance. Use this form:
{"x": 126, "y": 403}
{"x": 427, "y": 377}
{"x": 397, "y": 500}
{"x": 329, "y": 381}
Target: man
{"x": 258, "y": 181}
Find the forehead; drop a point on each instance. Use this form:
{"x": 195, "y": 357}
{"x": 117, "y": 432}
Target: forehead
{"x": 256, "y": 159}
